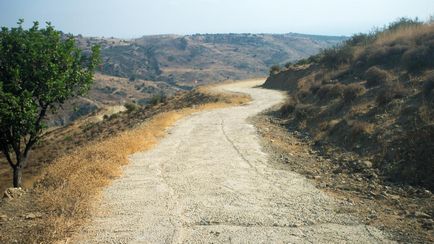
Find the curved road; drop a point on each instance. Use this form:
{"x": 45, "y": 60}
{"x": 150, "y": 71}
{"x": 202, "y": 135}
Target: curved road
{"x": 208, "y": 181}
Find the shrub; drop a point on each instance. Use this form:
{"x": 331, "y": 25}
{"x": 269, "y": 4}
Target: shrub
{"x": 360, "y": 39}
{"x": 376, "y": 76}
{"x": 382, "y": 54}
{"x": 403, "y": 23}
{"x": 414, "y": 157}
{"x": 302, "y": 94}
{"x": 418, "y": 58}
{"x": 358, "y": 128}
{"x": 352, "y": 91}
{"x": 303, "y": 62}
{"x": 275, "y": 69}
{"x": 330, "y": 91}
{"x": 157, "y": 99}
{"x": 114, "y": 116}
{"x": 288, "y": 107}
{"x": 391, "y": 92}
{"x": 314, "y": 88}
{"x": 67, "y": 138}
{"x": 131, "y": 107}
{"x": 303, "y": 111}
{"x": 333, "y": 57}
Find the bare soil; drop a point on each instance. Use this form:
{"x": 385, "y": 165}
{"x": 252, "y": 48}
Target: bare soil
{"x": 405, "y": 212}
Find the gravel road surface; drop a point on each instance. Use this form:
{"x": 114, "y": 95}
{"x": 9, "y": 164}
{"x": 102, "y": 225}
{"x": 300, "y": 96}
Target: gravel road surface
{"x": 208, "y": 181}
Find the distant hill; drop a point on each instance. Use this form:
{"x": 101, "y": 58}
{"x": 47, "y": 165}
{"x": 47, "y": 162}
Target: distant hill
{"x": 137, "y": 70}
{"x": 204, "y": 57}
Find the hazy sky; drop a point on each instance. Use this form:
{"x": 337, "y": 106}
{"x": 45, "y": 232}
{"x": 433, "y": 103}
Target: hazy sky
{"x": 134, "y": 18}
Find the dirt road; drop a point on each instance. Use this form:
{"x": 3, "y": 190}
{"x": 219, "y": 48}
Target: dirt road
{"x": 208, "y": 181}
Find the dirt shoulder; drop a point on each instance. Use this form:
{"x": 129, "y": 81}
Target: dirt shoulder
{"x": 403, "y": 211}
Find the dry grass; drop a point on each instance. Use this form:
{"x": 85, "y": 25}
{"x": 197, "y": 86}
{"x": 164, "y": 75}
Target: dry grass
{"x": 73, "y": 183}
{"x": 352, "y": 91}
{"x": 67, "y": 189}
{"x": 383, "y": 92}
{"x": 376, "y": 76}
{"x": 70, "y": 185}
{"x": 408, "y": 33}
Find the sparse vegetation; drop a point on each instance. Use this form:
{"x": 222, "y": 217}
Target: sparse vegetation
{"x": 187, "y": 58}
{"x": 330, "y": 91}
{"x": 376, "y": 76}
{"x": 157, "y": 99}
{"x": 352, "y": 91}
{"x": 131, "y": 107}
{"x": 367, "y": 95}
{"x": 289, "y": 106}
{"x": 390, "y": 92}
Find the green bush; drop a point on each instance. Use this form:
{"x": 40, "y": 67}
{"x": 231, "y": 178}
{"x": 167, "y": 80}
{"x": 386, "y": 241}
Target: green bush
{"x": 131, "y": 107}
{"x": 335, "y": 56}
{"x": 360, "y": 39}
{"x": 157, "y": 99}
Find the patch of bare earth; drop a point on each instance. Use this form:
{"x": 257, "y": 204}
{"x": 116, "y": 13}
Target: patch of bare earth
{"x": 403, "y": 211}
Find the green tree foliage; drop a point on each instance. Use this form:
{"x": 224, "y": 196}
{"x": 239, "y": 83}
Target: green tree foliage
{"x": 39, "y": 70}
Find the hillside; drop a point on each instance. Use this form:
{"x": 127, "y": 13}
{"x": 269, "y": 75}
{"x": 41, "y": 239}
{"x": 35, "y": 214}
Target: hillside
{"x": 371, "y": 97}
{"x": 108, "y": 93}
{"x": 204, "y": 58}
{"x": 139, "y": 70}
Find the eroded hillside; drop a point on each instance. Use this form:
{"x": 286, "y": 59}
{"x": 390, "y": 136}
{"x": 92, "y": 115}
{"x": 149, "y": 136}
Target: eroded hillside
{"x": 372, "y": 96}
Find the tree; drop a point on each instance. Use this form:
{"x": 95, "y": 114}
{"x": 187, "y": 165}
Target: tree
{"x": 39, "y": 70}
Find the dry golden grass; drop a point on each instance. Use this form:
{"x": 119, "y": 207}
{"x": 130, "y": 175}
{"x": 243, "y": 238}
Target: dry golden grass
{"x": 73, "y": 182}
{"x": 408, "y": 33}
{"x": 67, "y": 189}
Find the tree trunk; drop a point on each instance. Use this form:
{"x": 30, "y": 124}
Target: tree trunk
{"x": 18, "y": 172}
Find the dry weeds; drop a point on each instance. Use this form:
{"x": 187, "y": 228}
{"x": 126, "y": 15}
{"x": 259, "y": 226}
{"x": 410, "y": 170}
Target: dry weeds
{"x": 407, "y": 33}
{"x": 68, "y": 188}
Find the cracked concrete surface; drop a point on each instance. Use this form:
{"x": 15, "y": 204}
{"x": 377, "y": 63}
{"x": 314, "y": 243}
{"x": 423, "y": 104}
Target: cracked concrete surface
{"x": 208, "y": 181}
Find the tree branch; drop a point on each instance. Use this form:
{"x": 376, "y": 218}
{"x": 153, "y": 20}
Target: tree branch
{"x": 34, "y": 136}
{"x": 5, "y": 151}
{"x": 15, "y": 146}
